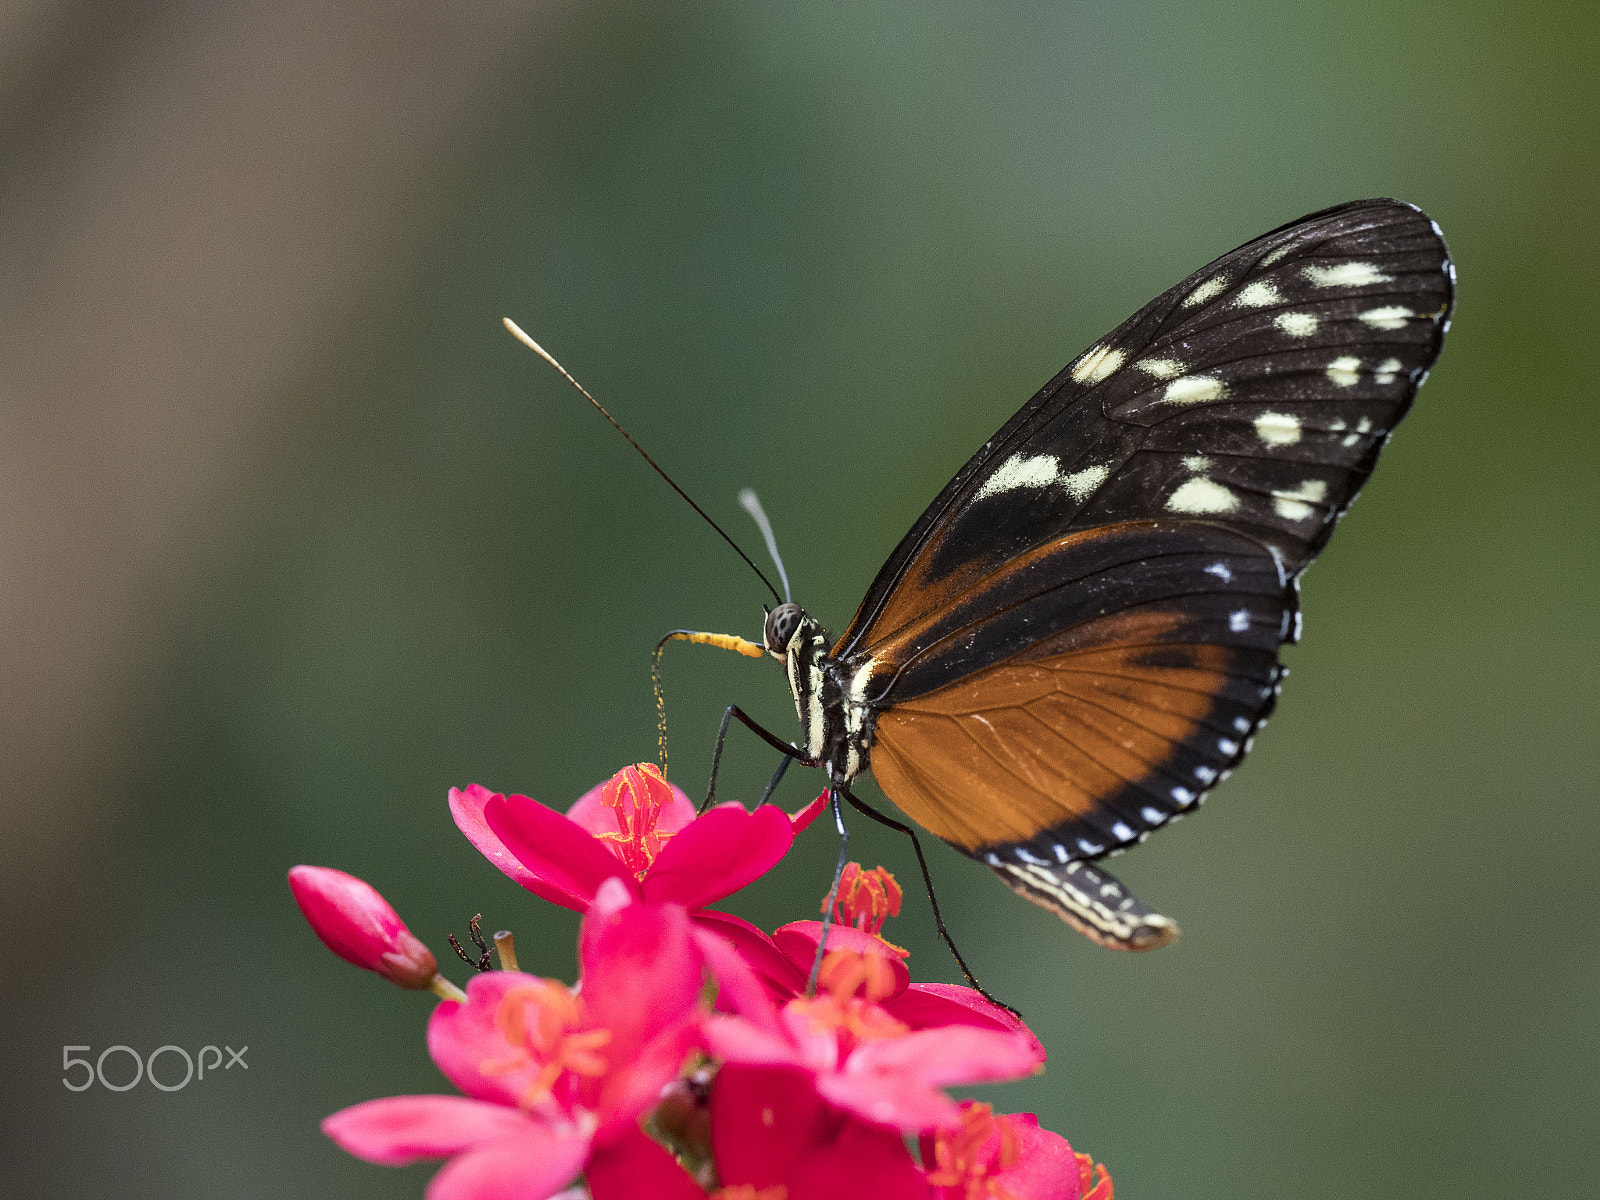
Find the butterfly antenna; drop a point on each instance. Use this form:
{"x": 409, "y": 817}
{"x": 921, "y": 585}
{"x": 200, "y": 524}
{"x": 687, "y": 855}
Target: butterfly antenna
{"x": 752, "y": 505}
{"x": 527, "y": 341}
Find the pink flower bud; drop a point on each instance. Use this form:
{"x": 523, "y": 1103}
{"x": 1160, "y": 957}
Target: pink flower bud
{"x": 358, "y": 925}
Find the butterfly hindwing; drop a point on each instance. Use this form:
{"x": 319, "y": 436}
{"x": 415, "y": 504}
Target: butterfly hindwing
{"x": 1143, "y": 658}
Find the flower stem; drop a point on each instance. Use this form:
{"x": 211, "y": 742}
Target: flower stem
{"x": 445, "y": 990}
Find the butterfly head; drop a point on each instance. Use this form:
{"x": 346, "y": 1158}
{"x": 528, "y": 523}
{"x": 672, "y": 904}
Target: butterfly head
{"x": 784, "y": 624}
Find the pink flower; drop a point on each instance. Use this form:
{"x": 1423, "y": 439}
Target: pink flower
{"x": 358, "y": 925}
{"x": 1007, "y": 1157}
{"x": 864, "y": 1059}
{"x": 637, "y": 819}
{"x": 549, "y": 1073}
{"x": 915, "y": 1005}
{"x": 773, "y": 1138}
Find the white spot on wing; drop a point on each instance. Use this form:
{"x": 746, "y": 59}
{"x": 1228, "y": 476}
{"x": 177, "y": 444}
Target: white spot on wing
{"x": 1205, "y": 774}
{"x": 1344, "y": 371}
{"x": 1309, "y": 489}
{"x": 1387, "y": 370}
{"x": 1350, "y": 274}
{"x": 1097, "y": 364}
{"x": 1080, "y": 485}
{"x": 1197, "y": 463}
{"x": 1239, "y": 620}
{"x": 1122, "y": 832}
{"x": 1227, "y": 747}
{"x": 1291, "y": 504}
{"x": 1242, "y": 724}
{"x": 1276, "y": 254}
{"x": 1257, "y": 295}
{"x": 1391, "y": 316}
{"x": 1152, "y": 814}
{"x": 1201, "y": 495}
{"x": 1193, "y": 389}
{"x": 1205, "y": 291}
{"x": 1016, "y": 472}
{"x": 1161, "y": 368}
{"x": 1278, "y": 429}
{"x": 1296, "y": 324}
{"x": 1220, "y": 570}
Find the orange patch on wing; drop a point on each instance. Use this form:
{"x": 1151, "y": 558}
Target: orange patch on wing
{"x": 918, "y": 600}
{"x": 1023, "y": 747}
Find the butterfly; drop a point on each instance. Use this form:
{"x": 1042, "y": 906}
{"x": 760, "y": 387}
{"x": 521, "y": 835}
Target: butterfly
{"x": 1079, "y": 637}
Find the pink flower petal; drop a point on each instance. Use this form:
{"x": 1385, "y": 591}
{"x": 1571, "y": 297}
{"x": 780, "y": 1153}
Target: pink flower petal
{"x": 551, "y": 847}
{"x": 898, "y": 1100}
{"x": 1047, "y": 1169}
{"x": 633, "y": 1167}
{"x": 799, "y": 939}
{"x": 741, "y": 1041}
{"x": 641, "y": 973}
{"x": 955, "y": 1054}
{"x": 463, "y": 1039}
{"x": 467, "y": 806}
{"x": 782, "y": 979}
{"x": 597, "y": 818}
{"x": 397, "y": 1130}
{"x": 721, "y": 852}
{"x": 930, "y": 1005}
{"x": 739, "y": 989}
{"x": 803, "y": 818}
{"x": 641, "y": 981}
{"x": 859, "y": 1161}
{"x": 531, "y": 1167}
{"x": 762, "y": 1120}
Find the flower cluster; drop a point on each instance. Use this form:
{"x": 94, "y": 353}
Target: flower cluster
{"x": 692, "y": 1059}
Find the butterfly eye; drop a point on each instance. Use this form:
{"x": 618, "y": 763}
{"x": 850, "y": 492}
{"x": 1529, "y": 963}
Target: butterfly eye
{"x": 781, "y": 624}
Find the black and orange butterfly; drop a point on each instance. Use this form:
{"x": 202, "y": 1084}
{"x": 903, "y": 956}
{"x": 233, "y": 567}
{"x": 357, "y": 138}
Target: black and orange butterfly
{"x": 1078, "y": 638}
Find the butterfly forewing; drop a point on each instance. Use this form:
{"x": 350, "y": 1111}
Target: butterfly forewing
{"x": 1254, "y": 394}
{"x": 1079, "y": 635}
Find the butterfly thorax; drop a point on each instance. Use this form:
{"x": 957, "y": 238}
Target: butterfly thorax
{"x": 835, "y": 726}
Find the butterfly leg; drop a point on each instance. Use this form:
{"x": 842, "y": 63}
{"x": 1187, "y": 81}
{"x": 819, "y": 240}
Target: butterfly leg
{"x": 777, "y": 743}
{"x": 777, "y": 777}
{"x": 833, "y": 889}
{"x": 927, "y": 880}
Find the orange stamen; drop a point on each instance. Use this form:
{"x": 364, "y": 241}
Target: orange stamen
{"x": 866, "y": 898}
{"x": 1102, "y": 1178}
{"x": 637, "y": 795}
{"x": 967, "y": 1158}
{"x": 838, "y": 1009}
{"x": 538, "y": 1022}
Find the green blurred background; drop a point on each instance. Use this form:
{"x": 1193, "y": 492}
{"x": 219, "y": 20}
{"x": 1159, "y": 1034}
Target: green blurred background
{"x": 295, "y": 537}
